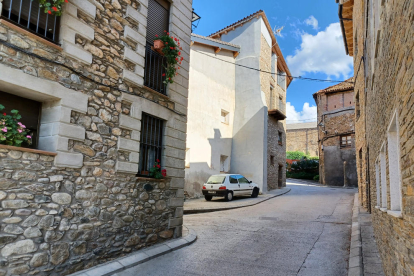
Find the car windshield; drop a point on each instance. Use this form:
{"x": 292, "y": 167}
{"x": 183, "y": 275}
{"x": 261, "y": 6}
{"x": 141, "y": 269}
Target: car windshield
{"x": 216, "y": 179}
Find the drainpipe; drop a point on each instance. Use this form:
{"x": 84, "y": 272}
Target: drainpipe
{"x": 345, "y": 180}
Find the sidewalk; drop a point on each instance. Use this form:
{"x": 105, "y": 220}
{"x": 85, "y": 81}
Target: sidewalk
{"x": 364, "y": 258}
{"x": 140, "y": 256}
{"x": 200, "y": 205}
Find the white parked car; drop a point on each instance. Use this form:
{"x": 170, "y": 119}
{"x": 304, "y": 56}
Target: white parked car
{"x": 228, "y": 186}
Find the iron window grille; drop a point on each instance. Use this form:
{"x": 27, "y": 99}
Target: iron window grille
{"x": 346, "y": 141}
{"x": 155, "y": 63}
{"x": 29, "y": 15}
{"x": 150, "y": 144}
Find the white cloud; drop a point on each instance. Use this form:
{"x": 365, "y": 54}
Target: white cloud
{"x": 308, "y": 114}
{"x": 322, "y": 53}
{"x": 312, "y": 21}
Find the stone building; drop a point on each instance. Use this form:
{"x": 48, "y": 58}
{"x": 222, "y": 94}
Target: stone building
{"x": 303, "y": 137}
{"x": 336, "y": 132}
{"x": 379, "y": 35}
{"x": 236, "y": 116}
{"x": 91, "y": 91}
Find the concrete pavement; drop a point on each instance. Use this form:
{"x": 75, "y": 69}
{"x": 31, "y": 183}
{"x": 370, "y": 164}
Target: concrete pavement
{"x": 304, "y": 232}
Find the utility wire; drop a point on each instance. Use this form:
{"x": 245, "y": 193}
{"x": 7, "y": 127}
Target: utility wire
{"x": 82, "y": 75}
{"x": 259, "y": 70}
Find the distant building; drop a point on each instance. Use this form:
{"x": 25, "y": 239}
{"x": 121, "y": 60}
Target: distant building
{"x": 336, "y": 127}
{"x": 236, "y": 116}
{"x": 302, "y": 137}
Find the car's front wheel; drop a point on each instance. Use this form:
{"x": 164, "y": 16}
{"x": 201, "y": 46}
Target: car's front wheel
{"x": 255, "y": 192}
{"x": 208, "y": 197}
{"x": 229, "y": 196}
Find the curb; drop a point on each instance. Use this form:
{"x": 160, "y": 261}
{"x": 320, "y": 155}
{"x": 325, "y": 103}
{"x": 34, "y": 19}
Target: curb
{"x": 198, "y": 211}
{"x": 139, "y": 257}
{"x": 355, "y": 266}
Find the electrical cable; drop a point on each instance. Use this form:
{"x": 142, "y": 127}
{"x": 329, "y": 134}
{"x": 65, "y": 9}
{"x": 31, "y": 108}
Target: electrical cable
{"x": 262, "y": 71}
{"x": 82, "y": 75}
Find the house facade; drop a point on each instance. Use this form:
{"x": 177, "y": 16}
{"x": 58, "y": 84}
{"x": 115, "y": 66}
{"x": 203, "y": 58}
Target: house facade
{"x": 379, "y": 37}
{"x": 336, "y": 132}
{"x": 90, "y": 90}
{"x": 237, "y": 115}
{"x": 303, "y": 137}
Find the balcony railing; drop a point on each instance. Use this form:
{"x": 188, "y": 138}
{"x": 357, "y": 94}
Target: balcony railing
{"x": 154, "y": 70}
{"x": 29, "y": 15}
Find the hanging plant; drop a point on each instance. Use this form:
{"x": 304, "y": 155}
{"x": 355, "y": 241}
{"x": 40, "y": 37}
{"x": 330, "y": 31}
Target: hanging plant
{"x": 53, "y": 7}
{"x": 13, "y": 132}
{"x": 172, "y": 52}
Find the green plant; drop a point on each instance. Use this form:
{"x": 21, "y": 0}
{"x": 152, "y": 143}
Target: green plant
{"x": 52, "y": 6}
{"x": 316, "y": 177}
{"x": 156, "y": 171}
{"x": 300, "y": 175}
{"x": 305, "y": 165}
{"x": 295, "y": 155}
{"x": 13, "y": 132}
{"x": 172, "y": 52}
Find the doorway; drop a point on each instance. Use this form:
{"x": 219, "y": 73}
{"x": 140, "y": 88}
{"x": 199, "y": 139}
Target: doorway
{"x": 280, "y": 177}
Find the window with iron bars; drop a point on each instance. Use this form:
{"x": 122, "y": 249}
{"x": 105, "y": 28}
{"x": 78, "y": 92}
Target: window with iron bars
{"x": 157, "y": 22}
{"x": 29, "y": 15}
{"x": 281, "y": 79}
{"x": 150, "y": 144}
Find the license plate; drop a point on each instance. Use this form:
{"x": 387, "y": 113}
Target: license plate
{"x": 211, "y": 192}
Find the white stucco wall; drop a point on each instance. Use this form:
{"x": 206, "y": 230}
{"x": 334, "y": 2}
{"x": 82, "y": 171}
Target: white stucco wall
{"x": 211, "y": 89}
{"x": 249, "y": 148}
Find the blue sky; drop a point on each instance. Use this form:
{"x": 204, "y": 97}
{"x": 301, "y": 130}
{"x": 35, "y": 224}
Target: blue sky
{"x": 311, "y": 42}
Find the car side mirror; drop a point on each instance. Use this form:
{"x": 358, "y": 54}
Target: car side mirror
{"x": 250, "y": 182}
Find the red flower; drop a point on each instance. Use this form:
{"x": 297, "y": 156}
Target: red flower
{"x": 175, "y": 39}
{"x": 153, "y": 166}
{"x": 178, "y": 68}
{"x": 54, "y": 8}
{"x": 49, "y": 12}
{"x": 168, "y": 33}
{"x": 182, "y": 58}
{"x": 163, "y": 75}
{"x": 166, "y": 43}
{"x": 4, "y": 114}
{"x": 176, "y": 59}
{"x": 66, "y": 1}
{"x": 172, "y": 48}
{"x": 158, "y": 166}
{"x": 179, "y": 53}
{"x": 169, "y": 78}
{"x": 158, "y": 160}
{"x": 156, "y": 35}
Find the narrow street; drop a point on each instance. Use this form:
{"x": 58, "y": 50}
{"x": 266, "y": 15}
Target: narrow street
{"x": 304, "y": 232}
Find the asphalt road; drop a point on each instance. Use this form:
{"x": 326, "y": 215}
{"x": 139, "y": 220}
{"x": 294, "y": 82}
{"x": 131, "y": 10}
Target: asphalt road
{"x": 304, "y": 232}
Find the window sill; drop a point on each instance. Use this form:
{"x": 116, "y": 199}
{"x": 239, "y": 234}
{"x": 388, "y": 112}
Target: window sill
{"x": 29, "y": 34}
{"x": 377, "y": 207}
{"x": 151, "y": 179}
{"x": 383, "y": 209}
{"x": 396, "y": 214}
{"x": 280, "y": 143}
{"x": 28, "y": 150}
{"x": 156, "y": 92}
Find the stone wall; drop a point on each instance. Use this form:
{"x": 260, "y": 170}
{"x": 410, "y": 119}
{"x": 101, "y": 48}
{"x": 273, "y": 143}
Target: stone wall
{"x": 389, "y": 84}
{"x": 84, "y": 205}
{"x": 304, "y": 140}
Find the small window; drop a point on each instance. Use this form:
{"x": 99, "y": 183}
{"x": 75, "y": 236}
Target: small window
{"x": 272, "y": 160}
{"x": 150, "y": 143}
{"x": 357, "y": 106}
{"x": 394, "y": 165}
{"x": 224, "y": 163}
{"x": 346, "y": 141}
{"x": 224, "y": 117}
{"x": 378, "y": 182}
{"x": 233, "y": 180}
{"x": 29, "y": 110}
{"x": 280, "y": 138}
{"x": 187, "y": 158}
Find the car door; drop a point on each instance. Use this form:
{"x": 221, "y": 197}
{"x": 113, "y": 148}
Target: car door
{"x": 245, "y": 187}
{"x": 234, "y": 185}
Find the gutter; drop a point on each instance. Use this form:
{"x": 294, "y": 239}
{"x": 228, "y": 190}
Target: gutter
{"x": 341, "y": 21}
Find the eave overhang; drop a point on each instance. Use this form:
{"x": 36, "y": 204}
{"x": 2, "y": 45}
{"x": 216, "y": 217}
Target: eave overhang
{"x": 277, "y": 114}
{"x": 345, "y": 13}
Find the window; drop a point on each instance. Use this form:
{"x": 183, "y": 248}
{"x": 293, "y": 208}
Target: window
{"x": 394, "y": 164}
{"x": 272, "y": 160}
{"x": 281, "y": 79}
{"x": 233, "y": 180}
{"x": 29, "y": 110}
{"x": 357, "y": 107}
{"x": 273, "y": 65}
{"x": 378, "y": 182}
{"x": 224, "y": 163}
{"x": 242, "y": 179}
{"x": 217, "y": 179}
{"x": 383, "y": 178}
{"x": 150, "y": 143}
{"x": 346, "y": 141}
{"x": 224, "y": 117}
{"x": 280, "y": 138}
{"x": 187, "y": 158}
{"x": 157, "y": 22}
{"x": 28, "y": 15}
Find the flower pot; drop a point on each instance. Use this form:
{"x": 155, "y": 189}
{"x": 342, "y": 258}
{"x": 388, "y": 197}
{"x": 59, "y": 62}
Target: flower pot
{"x": 158, "y": 46}
{"x": 144, "y": 172}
